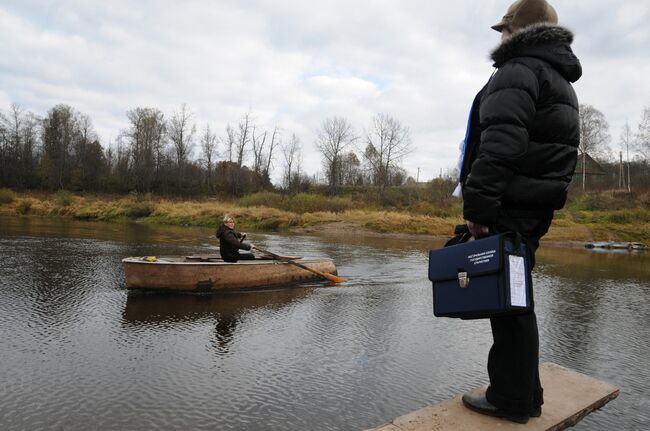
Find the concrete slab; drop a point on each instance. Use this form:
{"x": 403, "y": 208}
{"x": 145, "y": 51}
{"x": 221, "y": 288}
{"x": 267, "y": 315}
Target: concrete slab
{"x": 569, "y": 396}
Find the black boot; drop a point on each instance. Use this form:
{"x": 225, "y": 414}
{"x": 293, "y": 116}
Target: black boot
{"x": 480, "y": 404}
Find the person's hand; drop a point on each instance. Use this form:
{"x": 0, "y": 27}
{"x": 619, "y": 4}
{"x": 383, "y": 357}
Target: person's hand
{"x": 476, "y": 229}
{"x": 253, "y": 246}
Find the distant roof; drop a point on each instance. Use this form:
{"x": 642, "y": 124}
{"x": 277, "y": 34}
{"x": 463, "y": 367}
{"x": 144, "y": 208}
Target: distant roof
{"x": 592, "y": 166}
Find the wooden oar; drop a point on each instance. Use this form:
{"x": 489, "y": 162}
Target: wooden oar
{"x": 330, "y": 277}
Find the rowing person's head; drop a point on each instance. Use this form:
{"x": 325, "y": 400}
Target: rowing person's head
{"x": 228, "y": 220}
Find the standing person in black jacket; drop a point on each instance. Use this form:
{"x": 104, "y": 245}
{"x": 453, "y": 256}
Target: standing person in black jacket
{"x": 520, "y": 155}
{"x": 231, "y": 241}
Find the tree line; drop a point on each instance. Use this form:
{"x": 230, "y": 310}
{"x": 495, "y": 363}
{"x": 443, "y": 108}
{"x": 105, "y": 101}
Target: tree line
{"x": 169, "y": 154}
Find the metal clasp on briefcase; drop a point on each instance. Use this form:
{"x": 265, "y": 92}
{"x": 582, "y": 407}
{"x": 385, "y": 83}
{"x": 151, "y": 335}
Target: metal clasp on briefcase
{"x": 463, "y": 280}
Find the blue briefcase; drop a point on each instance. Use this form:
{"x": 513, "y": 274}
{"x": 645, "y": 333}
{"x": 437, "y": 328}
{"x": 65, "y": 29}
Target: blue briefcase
{"x": 487, "y": 277}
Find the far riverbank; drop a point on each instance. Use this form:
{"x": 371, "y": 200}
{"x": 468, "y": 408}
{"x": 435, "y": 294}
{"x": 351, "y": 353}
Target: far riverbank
{"x": 573, "y": 225}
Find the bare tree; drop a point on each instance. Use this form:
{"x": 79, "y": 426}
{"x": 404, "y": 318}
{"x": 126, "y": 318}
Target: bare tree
{"x": 29, "y": 151}
{"x": 122, "y": 158}
{"x": 17, "y": 142}
{"x": 229, "y": 142}
{"x": 4, "y": 150}
{"x": 333, "y": 137}
{"x": 272, "y": 146}
{"x": 258, "y": 143}
{"x": 262, "y": 159}
{"x": 387, "y": 142}
{"x": 84, "y": 150}
{"x": 59, "y": 129}
{"x": 594, "y": 137}
{"x": 181, "y": 133}
{"x": 243, "y": 138}
{"x": 291, "y": 155}
{"x": 642, "y": 137}
{"x": 350, "y": 169}
{"x": 145, "y": 139}
{"x": 14, "y": 123}
{"x": 594, "y": 133}
{"x": 209, "y": 150}
{"x": 236, "y": 144}
{"x": 10, "y": 126}
{"x": 110, "y": 158}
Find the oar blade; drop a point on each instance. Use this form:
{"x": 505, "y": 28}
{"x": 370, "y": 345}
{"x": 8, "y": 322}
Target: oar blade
{"x": 333, "y": 278}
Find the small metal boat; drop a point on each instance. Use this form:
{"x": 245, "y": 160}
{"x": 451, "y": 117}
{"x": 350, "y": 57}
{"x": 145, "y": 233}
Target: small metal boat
{"x": 632, "y": 246}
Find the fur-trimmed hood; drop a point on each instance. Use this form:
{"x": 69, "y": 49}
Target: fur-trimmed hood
{"x": 551, "y": 43}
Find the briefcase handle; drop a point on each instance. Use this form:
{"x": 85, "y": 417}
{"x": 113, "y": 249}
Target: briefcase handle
{"x": 462, "y": 234}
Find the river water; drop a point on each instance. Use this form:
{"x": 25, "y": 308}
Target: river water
{"x": 80, "y": 352}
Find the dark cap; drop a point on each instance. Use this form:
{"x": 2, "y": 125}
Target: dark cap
{"x": 523, "y": 13}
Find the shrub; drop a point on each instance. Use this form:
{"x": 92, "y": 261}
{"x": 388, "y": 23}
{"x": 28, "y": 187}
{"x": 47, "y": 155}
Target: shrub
{"x": 7, "y": 196}
{"x": 109, "y": 185}
{"x": 304, "y": 203}
{"x": 640, "y": 216}
{"x": 436, "y": 209}
{"x": 263, "y": 199}
{"x": 644, "y": 200}
{"x": 602, "y": 201}
{"x": 397, "y": 197}
{"x": 269, "y": 224}
{"x": 63, "y": 198}
{"x": 339, "y": 204}
{"x": 24, "y": 206}
{"x": 137, "y": 196}
{"x": 139, "y": 209}
{"x": 87, "y": 213}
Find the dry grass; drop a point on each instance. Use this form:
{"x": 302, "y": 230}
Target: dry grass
{"x": 7, "y": 196}
{"x": 579, "y": 222}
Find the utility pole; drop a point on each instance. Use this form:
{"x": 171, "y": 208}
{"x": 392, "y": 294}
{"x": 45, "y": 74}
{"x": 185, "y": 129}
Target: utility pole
{"x": 417, "y": 178}
{"x": 584, "y": 169}
{"x": 621, "y": 172}
{"x": 627, "y": 148}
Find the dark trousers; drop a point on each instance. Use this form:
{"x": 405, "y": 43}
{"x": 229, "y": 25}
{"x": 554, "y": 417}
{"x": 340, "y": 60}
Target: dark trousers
{"x": 513, "y": 362}
{"x": 240, "y": 256}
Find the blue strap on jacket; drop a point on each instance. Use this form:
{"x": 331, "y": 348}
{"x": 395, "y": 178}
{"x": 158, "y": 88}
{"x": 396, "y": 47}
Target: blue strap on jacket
{"x": 458, "y": 192}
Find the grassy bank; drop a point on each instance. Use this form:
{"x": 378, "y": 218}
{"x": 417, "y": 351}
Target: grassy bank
{"x": 585, "y": 218}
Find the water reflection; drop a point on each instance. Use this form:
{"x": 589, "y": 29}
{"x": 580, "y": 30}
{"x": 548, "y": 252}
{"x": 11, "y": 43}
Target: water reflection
{"x": 588, "y": 265}
{"x": 226, "y": 310}
{"x": 130, "y": 232}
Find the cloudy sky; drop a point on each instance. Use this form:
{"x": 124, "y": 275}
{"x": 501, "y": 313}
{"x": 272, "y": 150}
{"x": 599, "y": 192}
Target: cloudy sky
{"x": 293, "y": 63}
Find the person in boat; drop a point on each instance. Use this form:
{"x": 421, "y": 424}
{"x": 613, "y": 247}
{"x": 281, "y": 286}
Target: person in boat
{"x": 519, "y": 157}
{"x": 231, "y": 241}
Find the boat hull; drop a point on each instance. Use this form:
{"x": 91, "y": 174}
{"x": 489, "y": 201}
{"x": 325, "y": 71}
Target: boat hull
{"x": 175, "y": 273}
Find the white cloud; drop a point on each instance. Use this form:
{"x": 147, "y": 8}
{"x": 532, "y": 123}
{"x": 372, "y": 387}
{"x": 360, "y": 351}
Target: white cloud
{"x": 294, "y": 63}
{"x": 633, "y": 14}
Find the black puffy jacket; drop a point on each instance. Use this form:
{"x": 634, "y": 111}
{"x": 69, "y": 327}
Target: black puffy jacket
{"x": 230, "y": 243}
{"x": 524, "y": 129}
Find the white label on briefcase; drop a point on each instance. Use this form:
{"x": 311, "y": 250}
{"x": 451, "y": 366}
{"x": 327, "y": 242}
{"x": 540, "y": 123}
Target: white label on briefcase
{"x": 517, "y": 281}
